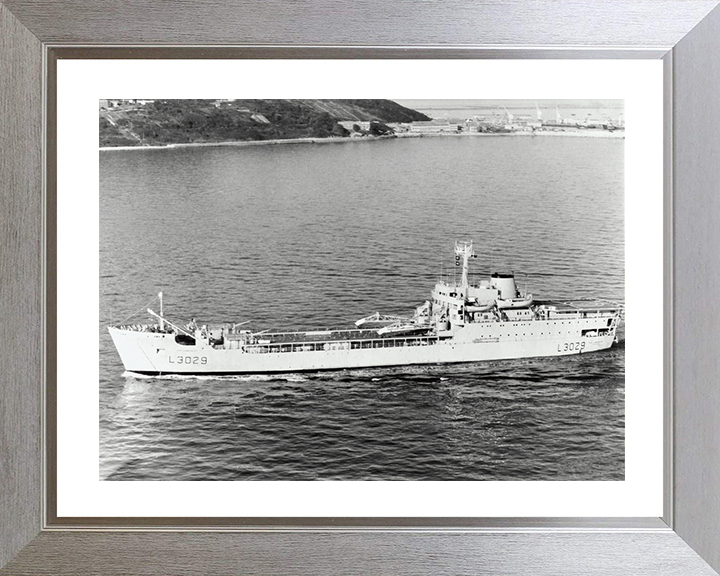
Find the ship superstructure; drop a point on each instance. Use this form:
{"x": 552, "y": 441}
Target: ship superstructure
{"x": 463, "y": 322}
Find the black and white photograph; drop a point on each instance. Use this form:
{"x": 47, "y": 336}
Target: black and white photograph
{"x": 362, "y": 290}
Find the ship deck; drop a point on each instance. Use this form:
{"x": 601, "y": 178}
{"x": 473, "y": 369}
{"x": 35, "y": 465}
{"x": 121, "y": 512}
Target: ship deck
{"x": 320, "y": 336}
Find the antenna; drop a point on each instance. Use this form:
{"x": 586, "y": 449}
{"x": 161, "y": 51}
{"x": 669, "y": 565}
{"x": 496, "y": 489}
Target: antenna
{"x": 464, "y": 250}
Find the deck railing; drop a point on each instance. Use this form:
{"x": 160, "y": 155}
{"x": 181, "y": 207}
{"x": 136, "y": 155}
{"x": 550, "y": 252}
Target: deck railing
{"x": 324, "y": 346}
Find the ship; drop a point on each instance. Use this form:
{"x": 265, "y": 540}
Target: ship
{"x": 462, "y": 322}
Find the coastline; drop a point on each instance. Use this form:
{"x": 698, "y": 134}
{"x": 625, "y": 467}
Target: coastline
{"x": 243, "y": 143}
{"x": 617, "y": 135}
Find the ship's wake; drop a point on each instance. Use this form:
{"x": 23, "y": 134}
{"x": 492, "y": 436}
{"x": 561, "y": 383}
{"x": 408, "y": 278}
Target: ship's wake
{"x": 290, "y": 377}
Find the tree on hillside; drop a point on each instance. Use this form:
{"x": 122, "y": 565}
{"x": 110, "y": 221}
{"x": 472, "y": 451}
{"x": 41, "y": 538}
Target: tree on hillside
{"x": 340, "y": 130}
{"x": 380, "y": 129}
{"x": 322, "y": 126}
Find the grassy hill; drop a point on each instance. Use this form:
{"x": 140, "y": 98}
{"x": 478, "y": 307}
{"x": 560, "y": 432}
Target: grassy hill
{"x": 189, "y": 121}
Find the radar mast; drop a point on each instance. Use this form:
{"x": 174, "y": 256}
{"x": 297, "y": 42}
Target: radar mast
{"x": 463, "y": 252}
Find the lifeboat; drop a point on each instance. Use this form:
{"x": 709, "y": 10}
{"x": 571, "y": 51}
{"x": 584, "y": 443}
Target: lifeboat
{"x": 479, "y": 307}
{"x": 522, "y": 302}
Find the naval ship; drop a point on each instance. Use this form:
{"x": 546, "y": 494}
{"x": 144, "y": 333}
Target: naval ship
{"x": 463, "y": 322}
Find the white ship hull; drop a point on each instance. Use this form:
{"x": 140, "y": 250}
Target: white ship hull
{"x": 159, "y": 353}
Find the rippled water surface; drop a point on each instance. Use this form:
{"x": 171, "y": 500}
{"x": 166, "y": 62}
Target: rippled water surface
{"x": 315, "y": 236}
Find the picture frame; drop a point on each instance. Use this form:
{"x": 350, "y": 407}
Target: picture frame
{"x": 686, "y": 540}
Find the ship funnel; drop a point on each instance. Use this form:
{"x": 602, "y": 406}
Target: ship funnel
{"x": 505, "y": 284}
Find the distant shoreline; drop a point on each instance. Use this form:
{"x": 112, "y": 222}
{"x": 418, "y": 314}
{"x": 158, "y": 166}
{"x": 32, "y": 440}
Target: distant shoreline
{"x": 242, "y": 143}
{"x": 341, "y": 139}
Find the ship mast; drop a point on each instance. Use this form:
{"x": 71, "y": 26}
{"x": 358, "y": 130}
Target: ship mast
{"x": 464, "y": 250}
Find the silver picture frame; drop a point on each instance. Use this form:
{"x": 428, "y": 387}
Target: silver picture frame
{"x": 685, "y": 34}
